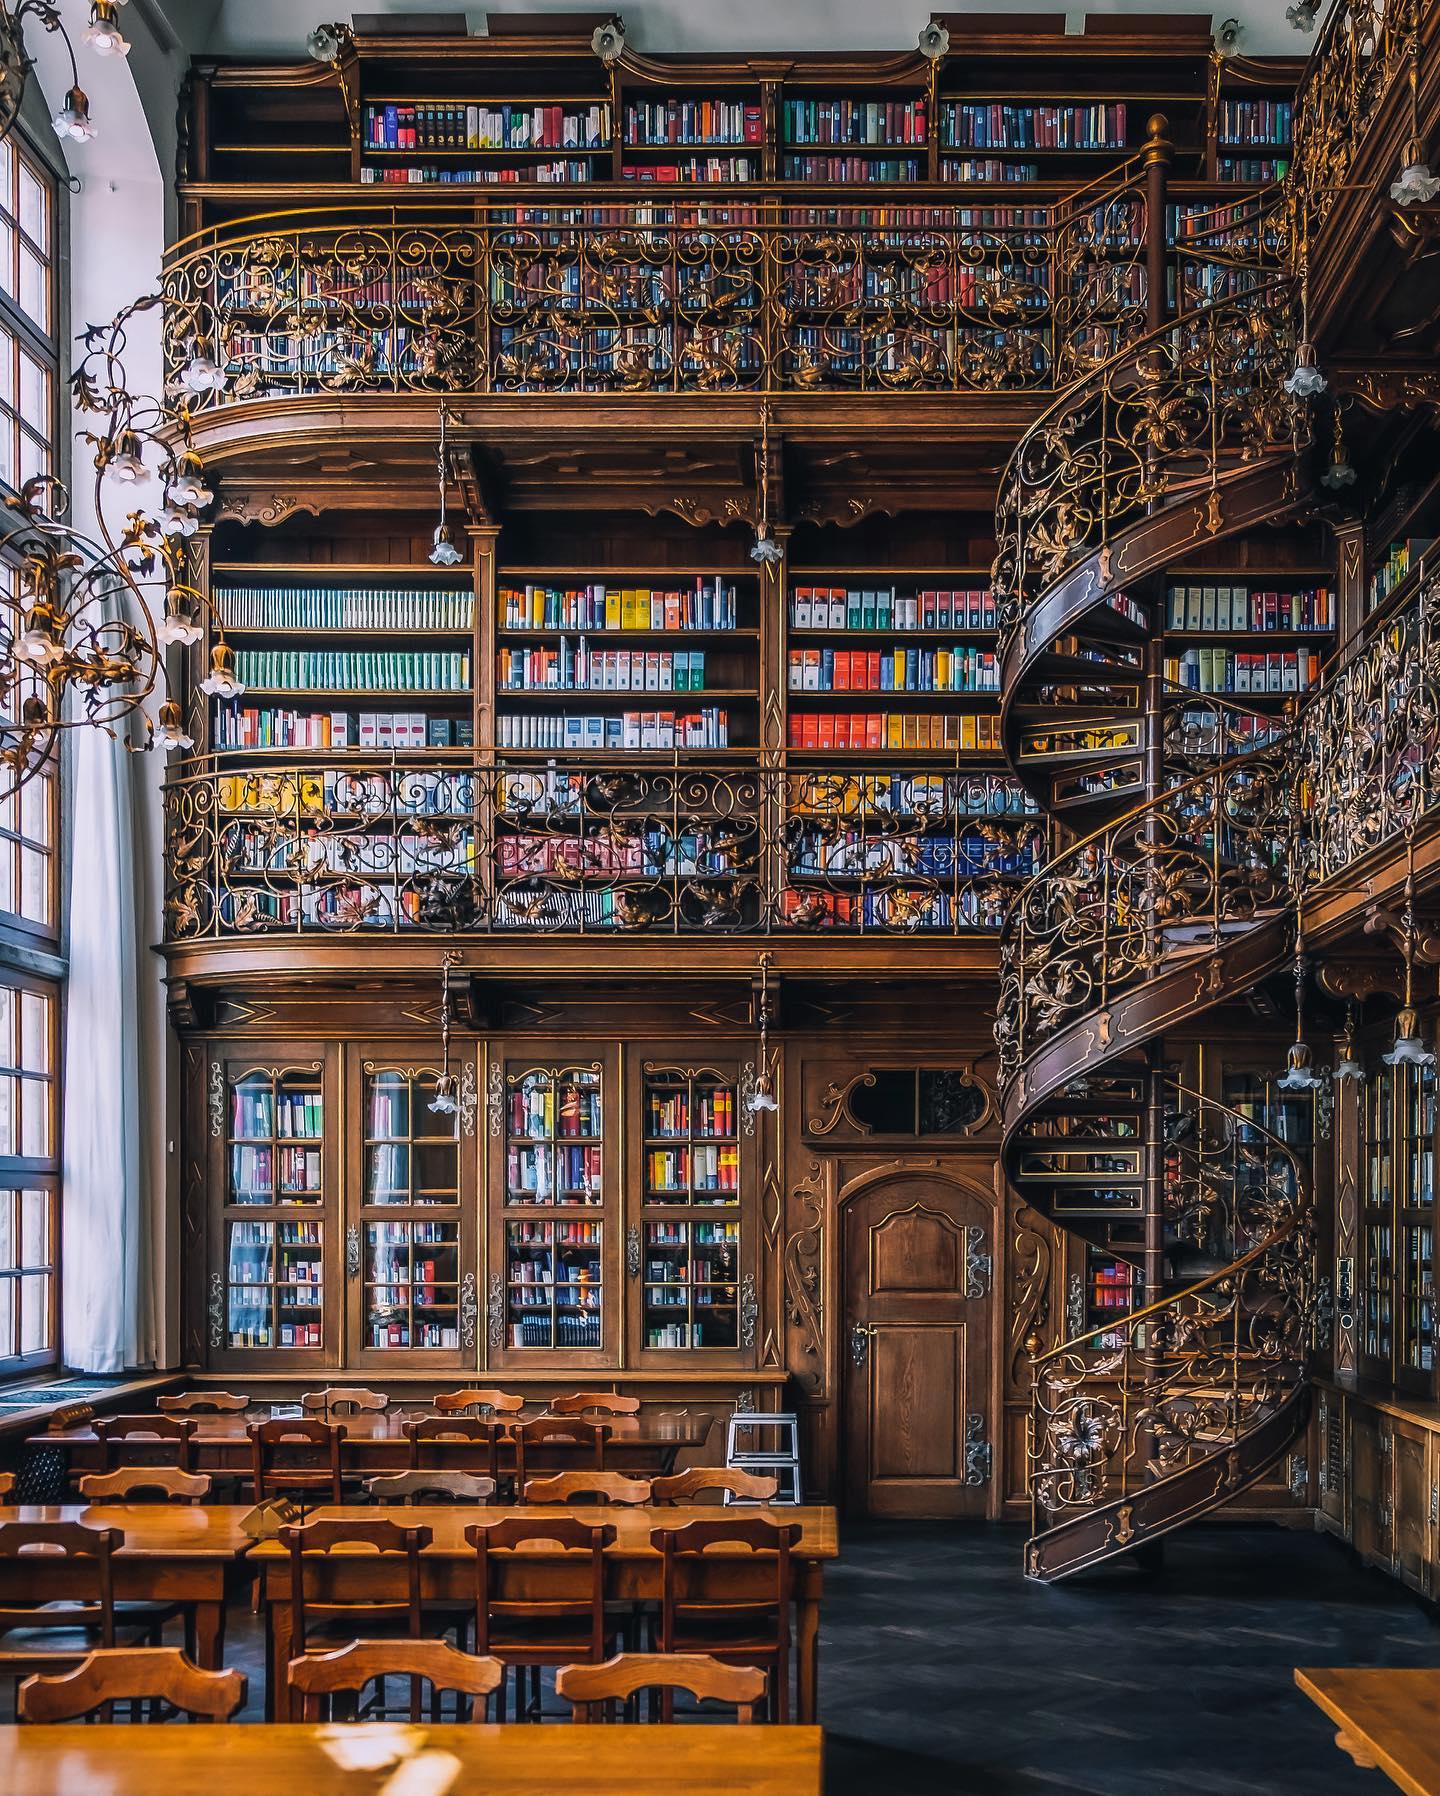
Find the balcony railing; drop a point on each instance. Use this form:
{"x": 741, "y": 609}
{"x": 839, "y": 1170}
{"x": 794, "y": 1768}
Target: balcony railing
{"x": 703, "y": 846}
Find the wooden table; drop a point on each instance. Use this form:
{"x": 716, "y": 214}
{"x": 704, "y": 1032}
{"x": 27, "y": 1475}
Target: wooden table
{"x": 1388, "y": 1721}
{"x": 172, "y": 1553}
{"x": 375, "y": 1442}
{"x": 264, "y": 1760}
{"x": 447, "y": 1570}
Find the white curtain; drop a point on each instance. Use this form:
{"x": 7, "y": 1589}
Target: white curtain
{"x": 111, "y": 1191}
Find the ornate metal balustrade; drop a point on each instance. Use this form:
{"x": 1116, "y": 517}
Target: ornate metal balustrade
{"x": 723, "y": 846}
{"x": 1184, "y": 1378}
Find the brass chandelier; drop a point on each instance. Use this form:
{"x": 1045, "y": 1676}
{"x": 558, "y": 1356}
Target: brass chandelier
{"x": 103, "y": 35}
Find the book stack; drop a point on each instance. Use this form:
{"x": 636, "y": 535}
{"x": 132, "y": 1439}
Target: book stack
{"x": 855, "y": 121}
{"x": 273, "y": 726}
{"x": 583, "y": 669}
{"x": 452, "y": 125}
{"x": 706, "y": 605}
{"x": 887, "y": 731}
{"x": 1395, "y": 566}
{"x": 894, "y": 670}
{"x": 853, "y": 168}
{"x": 886, "y": 608}
{"x": 704, "y": 729}
{"x": 700, "y": 122}
{"x": 1242, "y": 608}
{"x": 351, "y": 670}
{"x": 697, "y": 169}
{"x": 986, "y": 169}
{"x": 671, "y": 1114}
{"x": 998, "y": 126}
{"x": 1256, "y": 122}
{"x": 344, "y": 608}
{"x": 1223, "y": 670}
{"x": 540, "y": 174}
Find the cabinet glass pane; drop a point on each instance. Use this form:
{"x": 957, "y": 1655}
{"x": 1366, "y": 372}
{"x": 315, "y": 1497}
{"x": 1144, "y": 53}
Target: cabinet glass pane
{"x": 692, "y": 1154}
{"x": 277, "y": 1129}
{"x": 554, "y": 1290}
{"x": 691, "y": 1269}
{"x": 1417, "y": 1132}
{"x": 1379, "y": 1123}
{"x": 275, "y": 1284}
{"x": 1379, "y": 1248}
{"x": 691, "y": 1167}
{"x": 554, "y": 1153}
{"x": 412, "y": 1153}
{"x": 1417, "y": 1298}
{"x": 412, "y": 1284}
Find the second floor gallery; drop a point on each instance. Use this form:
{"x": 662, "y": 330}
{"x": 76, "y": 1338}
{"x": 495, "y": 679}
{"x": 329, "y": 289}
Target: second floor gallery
{"x": 720, "y": 751}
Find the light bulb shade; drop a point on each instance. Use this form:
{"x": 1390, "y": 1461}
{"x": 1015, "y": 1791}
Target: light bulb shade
{"x": 1339, "y": 474}
{"x": 202, "y": 374}
{"x": 1347, "y": 1067}
{"x": 73, "y": 118}
{"x": 761, "y": 1096}
{"x": 444, "y": 1102}
{"x": 127, "y": 463}
{"x": 1300, "y": 1074}
{"x": 104, "y": 35}
{"x": 175, "y": 520}
{"x": 765, "y": 548}
{"x": 1301, "y": 16}
{"x": 323, "y": 43}
{"x": 175, "y": 627}
{"x": 444, "y": 553}
{"x": 608, "y": 42}
{"x": 934, "y": 41}
{"x": 1415, "y": 185}
{"x": 1409, "y": 1049}
{"x": 1305, "y": 380}
{"x": 220, "y": 682}
{"x": 170, "y": 729}
{"x": 188, "y": 487}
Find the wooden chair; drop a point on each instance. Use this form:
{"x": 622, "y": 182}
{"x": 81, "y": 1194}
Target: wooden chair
{"x": 344, "y": 1400}
{"x": 454, "y": 1403}
{"x": 532, "y": 1612}
{"x": 698, "y": 1614}
{"x": 151, "y": 1674}
{"x": 276, "y": 1470}
{"x": 57, "y": 1635}
{"x": 204, "y": 1403}
{"x": 145, "y": 1484}
{"x": 684, "y": 1487}
{"x": 7, "y": 1485}
{"x": 595, "y": 1487}
{"x": 429, "y": 1487}
{"x": 588, "y": 1688}
{"x": 572, "y": 1429}
{"x": 348, "y": 1669}
{"x": 429, "y": 1436}
{"x": 602, "y": 1402}
{"x": 117, "y": 1433}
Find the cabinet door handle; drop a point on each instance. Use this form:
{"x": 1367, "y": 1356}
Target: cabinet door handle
{"x": 860, "y": 1333}
{"x": 352, "y": 1251}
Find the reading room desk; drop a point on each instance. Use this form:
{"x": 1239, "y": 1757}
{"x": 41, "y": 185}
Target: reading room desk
{"x": 448, "y": 1569}
{"x": 243, "y": 1759}
{"x": 1388, "y": 1720}
{"x": 173, "y": 1552}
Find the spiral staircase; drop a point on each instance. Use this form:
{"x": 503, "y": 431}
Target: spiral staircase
{"x": 1171, "y": 897}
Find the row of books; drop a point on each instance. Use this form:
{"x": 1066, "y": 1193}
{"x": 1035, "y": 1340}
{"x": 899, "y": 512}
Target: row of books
{"x": 539, "y": 174}
{"x": 298, "y": 1238}
{"x": 556, "y": 1331}
{"x": 891, "y": 730}
{"x": 1222, "y": 670}
{"x": 708, "y": 728}
{"x": 700, "y": 122}
{"x": 261, "y": 1175}
{"x": 927, "y": 857}
{"x": 394, "y": 1237}
{"x": 855, "y": 121}
{"x": 529, "y": 1290}
{"x": 393, "y": 1278}
{"x": 646, "y": 854}
{"x": 411, "y": 793}
{"x": 1258, "y": 169}
{"x": 441, "y": 125}
{"x": 681, "y": 1297}
{"x": 674, "y": 1171}
{"x": 1241, "y": 608}
{"x": 320, "y": 283}
{"x": 675, "y": 1336}
{"x": 564, "y": 1235}
{"x": 893, "y": 670}
{"x": 987, "y": 169}
{"x": 273, "y": 726}
{"x": 353, "y": 670}
{"x": 344, "y": 608}
{"x": 248, "y": 1326}
{"x": 579, "y": 668}
{"x": 899, "y": 909}
{"x": 712, "y": 1114}
{"x": 707, "y": 605}
{"x": 910, "y": 795}
{"x": 995, "y": 125}
{"x": 263, "y": 1114}
{"x": 393, "y": 1178}
{"x": 699, "y": 169}
{"x": 722, "y": 1235}
{"x": 852, "y": 168}
{"x": 389, "y": 1333}
{"x": 1395, "y": 566}
{"x": 544, "y": 1175}
{"x": 541, "y": 1110}
{"x": 391, "y": 1110}
{"x": 887, "y": 608}
{"x": 830, "y": 288}
{"x": 1256, "y": 121}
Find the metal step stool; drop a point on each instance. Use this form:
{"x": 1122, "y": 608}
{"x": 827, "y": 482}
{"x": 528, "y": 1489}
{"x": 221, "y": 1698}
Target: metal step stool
{"x": 744, "y": 1451}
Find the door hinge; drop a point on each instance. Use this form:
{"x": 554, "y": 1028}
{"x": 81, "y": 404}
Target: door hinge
{"x": 352, "y": 1252}
{"x": 1435, "y": 1505}
{"x": 859, "y": 1342}
{"x": 977, "y": 1450}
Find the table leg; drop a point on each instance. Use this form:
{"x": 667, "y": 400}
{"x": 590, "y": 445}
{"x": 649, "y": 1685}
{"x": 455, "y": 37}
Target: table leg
{"x": 279, "y": 1628}
{"x": 807, "y": 1653}
{"x": 210, "y": 1635}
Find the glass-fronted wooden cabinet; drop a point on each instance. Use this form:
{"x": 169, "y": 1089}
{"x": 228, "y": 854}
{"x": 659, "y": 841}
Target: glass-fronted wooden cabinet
{"x": 1396, "y": 1276}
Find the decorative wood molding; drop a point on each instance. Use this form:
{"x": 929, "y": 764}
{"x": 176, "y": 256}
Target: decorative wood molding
{"x": 804, "y": 1275}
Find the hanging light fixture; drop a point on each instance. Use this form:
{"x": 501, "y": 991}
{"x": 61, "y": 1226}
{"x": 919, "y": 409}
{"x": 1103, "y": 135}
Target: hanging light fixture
{"x": 1300, "y": 1073}
{"x": 1302, "y": 15}
{"x": 1409, "y": 1049}
{"x": 103, "y": 36}
{"x": 1414, "y": 185}
{"x": 444, "y": 552}
{"x": 765, "y": 547}
{"x": 446, "y": 1100}
{"x": 1304, "y": 380}
{"x": 1347, "y": 1067}
{"x": 1340, "y": 473}
{"x": 762, "y": 1093}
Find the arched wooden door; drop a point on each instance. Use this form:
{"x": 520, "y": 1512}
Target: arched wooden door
{"x": 918, "y": 1258}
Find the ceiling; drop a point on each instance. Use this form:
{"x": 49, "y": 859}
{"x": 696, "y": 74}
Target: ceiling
{"x": 278, "y": 27}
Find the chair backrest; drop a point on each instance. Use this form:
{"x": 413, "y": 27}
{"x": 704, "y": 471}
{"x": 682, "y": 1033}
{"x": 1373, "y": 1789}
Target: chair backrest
{"x": 7, "y": 1484}
{"x": 344, "y": 1399}
{"x": 204, "y": 1403}
{"x": 684, "y": 1487}
{"x": 276, "y": 1469}
{"x": 588, "y": 1688}
{"x": 572, "y": 1588}
{"x": 431, "y": 1486}
{"x": 76, "y": 1542}
{"x": 458, "y": 1431}
{"x": 145, "y": 1484}
{"x": 451, "y": 1403}
{"x": 132, "y": 1674}
{"x": 689, "y": 1588}
{"x": 572, "y": 1429}
{"x": 350, "y": 1668}
{"x": 595, "y": 1487}
{"x": 608, "y": 1403}
{"x": 116, "y": 1433}
{"x": 310, "y": 1543}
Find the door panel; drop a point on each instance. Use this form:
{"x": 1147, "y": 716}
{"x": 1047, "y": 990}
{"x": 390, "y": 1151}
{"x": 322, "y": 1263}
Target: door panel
{"x": 917, "y": 1327}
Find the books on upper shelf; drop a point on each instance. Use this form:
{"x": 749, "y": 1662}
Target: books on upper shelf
{"x": 650, "y": 854}
{"x": 579, "y": 668}
{"x": 930, "y": 795}
{"x": 695, "y": 168}
{"x": 1398, "y": 560}
{"x": 707, "y": 605}
{"x": 259, "y": 1115}
{"x": 820, "y": 849}
{"x": 987, "y": 169}
{"x": 656, "y": 123}
{"x": 894, "y": 670}
{"x": 343, "y": 608}
{"x": 671, "y": 1114}
{"x": 911, "y": 908}
{"x": 853, "y": 168}
{"x": 1257, "y": 169}
{"x": 1255, "y": 121}
{"x": 273, "y": 726}
{"x": 706, "y": 728}
{"x": 676, "y": 1171}
{"x": 427, "y": 175}
{"x": 1243, "y": 609}
{"x": 1223, "y": 670}
{"x": 451, "y": 125}
{"x": 871, "y": 122}
{"x": 886, "y": 608}
{"x": 352, "y": 670}
{"x": 418, "y": 794}
{"x": 1000, "y": 125}
{"x": 886, "y": 731}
